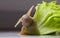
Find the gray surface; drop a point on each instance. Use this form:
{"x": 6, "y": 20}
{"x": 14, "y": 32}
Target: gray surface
{"x": 33, "y": 37}
{"x": 8, "y": 34}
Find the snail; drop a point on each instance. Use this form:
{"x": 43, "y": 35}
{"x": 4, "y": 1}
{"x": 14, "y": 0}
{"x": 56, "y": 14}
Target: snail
{"x": 27, "y": 22}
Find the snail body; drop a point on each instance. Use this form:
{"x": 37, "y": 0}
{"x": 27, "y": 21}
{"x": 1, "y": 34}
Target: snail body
{"x": 27, "y": 22}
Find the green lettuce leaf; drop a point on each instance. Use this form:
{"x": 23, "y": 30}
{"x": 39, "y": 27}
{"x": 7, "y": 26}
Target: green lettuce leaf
{"x": 47, "y": 17}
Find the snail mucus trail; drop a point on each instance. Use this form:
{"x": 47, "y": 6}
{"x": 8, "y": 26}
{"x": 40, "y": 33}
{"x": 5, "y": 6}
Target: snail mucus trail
{"x": 26, "y": 20}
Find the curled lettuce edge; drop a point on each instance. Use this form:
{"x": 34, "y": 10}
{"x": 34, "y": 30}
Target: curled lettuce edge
{"x": 47, "y": 17}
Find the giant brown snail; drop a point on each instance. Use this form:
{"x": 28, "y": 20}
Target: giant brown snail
{"x": 27, "y": 22}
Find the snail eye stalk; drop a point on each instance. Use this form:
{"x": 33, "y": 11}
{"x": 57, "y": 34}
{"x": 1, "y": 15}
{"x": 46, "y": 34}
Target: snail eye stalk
{"x": 18, "y": 22}
{"x": 29, "y": 11}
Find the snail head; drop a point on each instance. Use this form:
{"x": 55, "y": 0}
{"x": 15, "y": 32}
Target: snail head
{"x": 25, "y": 19}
